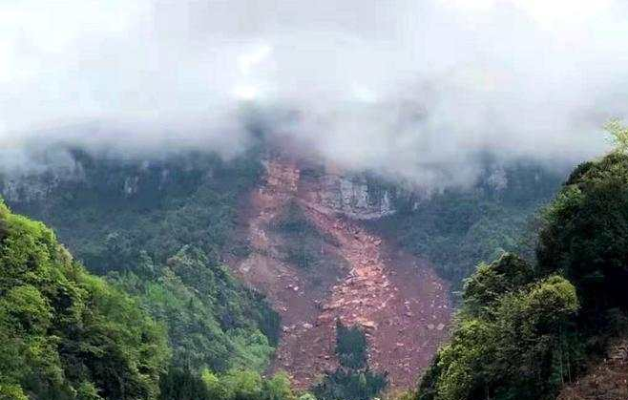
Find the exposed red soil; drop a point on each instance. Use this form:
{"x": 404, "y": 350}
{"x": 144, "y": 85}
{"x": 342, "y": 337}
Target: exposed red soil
{"x": 396, "y": 298}
{"x": 606, "y": 381}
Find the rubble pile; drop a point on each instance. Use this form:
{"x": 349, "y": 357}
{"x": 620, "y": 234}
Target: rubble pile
{"x": 397, "y": 299}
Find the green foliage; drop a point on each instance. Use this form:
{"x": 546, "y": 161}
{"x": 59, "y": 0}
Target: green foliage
{"x": 233, "y": 385}
{"x": 512, "y": 340}
{"x": 585, "y": 235}
{"x": 120, "y": 208}
{"x": 66, "y": 334}
{"x": 278, "y": 388}
{"x": 159, "y": 230}
{"x": 350, "y": 385}
{"x": 307, "y": 396}
{"x": 430, "y": 380}
{"x": 302, "y": 241}
{"x": 490, "y": 282}
{"x": 182, "y": 384}
{"x": 243, "y": 385}
{"x": 211, "y": 318}
{"x": 619, "y": 135}
{"x": 457, "y": 229}
{"x": 353, "y": 380}
{"x": 11, "y": 392}
{"x": 351, "y": 346}
{"x": 293, "y": 221}
{"x": 523, "y": 333}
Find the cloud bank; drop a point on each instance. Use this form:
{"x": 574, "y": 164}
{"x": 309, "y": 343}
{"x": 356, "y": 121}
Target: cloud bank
{"x": 411, "y": 89}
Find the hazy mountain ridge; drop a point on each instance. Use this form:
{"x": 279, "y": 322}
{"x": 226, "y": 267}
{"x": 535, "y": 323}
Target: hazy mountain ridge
{"x": 162, "y": 229}
{"x": 149, "y": 223}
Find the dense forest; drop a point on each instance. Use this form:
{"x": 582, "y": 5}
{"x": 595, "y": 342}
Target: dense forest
{"x": 313, "y": 200}
{"x": 67, "y": 334}
{"x": 525, "y": 330}
{"x": 158, "y": 232}
{"x": 70, "y": 335}
{"x": 457, "y": 228}
{"x": 353, "y": 379}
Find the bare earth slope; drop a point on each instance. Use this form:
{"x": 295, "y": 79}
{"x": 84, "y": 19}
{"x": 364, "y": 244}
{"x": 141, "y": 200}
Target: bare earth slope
{"x": 396, "y": 298}
{"x": 606, "y": 381}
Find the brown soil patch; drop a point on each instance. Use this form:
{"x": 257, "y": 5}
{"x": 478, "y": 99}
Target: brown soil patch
{"x": 607, "y": 381}
{"x": 396, "y": 298}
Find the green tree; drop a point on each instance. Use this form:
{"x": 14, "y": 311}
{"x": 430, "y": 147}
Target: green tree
{"x": 278, "y": 388}
{"x": 351, "y": 346}
{"x": 182, "y": 384}
{"x": 163, "y": 242}
{"x": 619, "y": 135}
{"x": 217, "y": 390}
{"x": 244, "y": 385}
{"x": 353, "y": 380}
{"x": 490, "y": 282}
{"x": 585, "y": 235}
{"x": 66, "y": 334}
{"x": 518, "y": 346}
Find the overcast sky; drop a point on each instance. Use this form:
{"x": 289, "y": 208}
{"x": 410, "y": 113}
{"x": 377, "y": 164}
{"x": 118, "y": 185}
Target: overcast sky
{"x": 411, "y": 88}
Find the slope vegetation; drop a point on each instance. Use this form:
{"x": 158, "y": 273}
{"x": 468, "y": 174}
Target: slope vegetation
{"x": 530, "y": 331}
{"x": 66, "y": 334}
{"x": 460, "y": 227}
{"x": 158, "y": 230}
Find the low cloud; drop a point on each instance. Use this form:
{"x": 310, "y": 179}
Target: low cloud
{"x": 416, "y": 90}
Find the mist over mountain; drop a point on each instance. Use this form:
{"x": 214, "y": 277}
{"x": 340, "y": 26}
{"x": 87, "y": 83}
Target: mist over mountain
{"x": 332, "y": 200}
{"x": 409, "y": 89}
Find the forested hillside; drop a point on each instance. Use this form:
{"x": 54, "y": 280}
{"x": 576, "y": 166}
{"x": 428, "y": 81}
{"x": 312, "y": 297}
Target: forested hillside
{"x": 157, "y": 230}
{"x": 526, "y": 330}
{"x": 66, "y": 334}
{"x": 530, "y": 325}
{"x": 458, "y": 228}
{"x": 313, "y": 200}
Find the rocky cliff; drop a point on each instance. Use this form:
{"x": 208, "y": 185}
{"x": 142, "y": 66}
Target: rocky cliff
{"x": 354, "y": 197}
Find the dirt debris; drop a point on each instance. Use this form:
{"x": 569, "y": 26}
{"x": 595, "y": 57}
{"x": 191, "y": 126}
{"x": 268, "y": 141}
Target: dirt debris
{"x": 608, "y": 380}
{"x": 396, "y": 298}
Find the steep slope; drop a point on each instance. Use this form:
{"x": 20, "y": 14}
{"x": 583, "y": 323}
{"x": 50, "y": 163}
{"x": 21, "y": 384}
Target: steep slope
{"x": 460, "y": 227}
{"x": 66, "y": 334}
{"x": 606, "y": 381}
{"x": 535, "y": 330}
{"x": 319, "y": 243}
{"x": 158, "y": 228}
{"x": 396, "y": 298}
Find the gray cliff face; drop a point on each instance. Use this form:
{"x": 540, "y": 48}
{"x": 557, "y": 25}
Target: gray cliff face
{"x": 122, "y": 183}
{"x": 498, "y": 179}
{"x": 353, "y": 197}
{"x": 131, "y": 185}
{"x": 36, "y": 187}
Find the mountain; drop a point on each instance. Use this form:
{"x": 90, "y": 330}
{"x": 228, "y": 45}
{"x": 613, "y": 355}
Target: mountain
{"x": 67, "y": 334}
{"x": 252, "y": 263}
